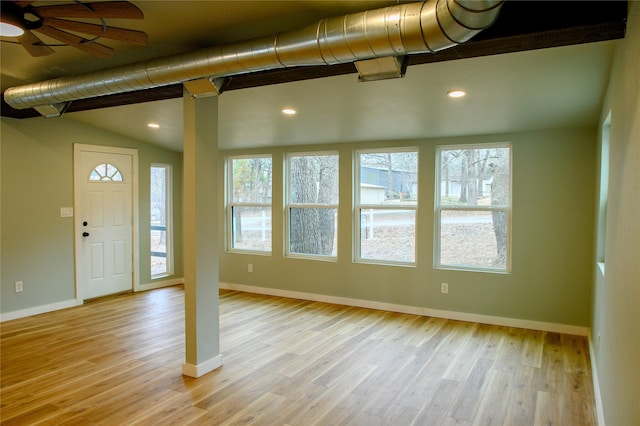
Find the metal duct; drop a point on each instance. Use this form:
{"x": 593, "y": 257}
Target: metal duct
{"x": 392, "y": 31}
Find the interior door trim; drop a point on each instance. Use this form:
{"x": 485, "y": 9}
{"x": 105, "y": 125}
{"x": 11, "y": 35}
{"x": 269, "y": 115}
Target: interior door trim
{"x": 77, "y": 204}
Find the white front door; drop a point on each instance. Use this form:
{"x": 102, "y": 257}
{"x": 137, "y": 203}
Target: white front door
{"x": 104, "y": 221}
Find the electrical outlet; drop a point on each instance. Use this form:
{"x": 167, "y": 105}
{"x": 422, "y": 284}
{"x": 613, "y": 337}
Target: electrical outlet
{"x": 444, "y": 288}
{"x": 250, "y": 267}
{"x": 19, "y": 286}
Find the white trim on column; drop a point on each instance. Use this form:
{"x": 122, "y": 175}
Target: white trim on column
{"x": 596, "y": 383}
{"x": 415, "y": 310}
{"x": 202, "y": 368}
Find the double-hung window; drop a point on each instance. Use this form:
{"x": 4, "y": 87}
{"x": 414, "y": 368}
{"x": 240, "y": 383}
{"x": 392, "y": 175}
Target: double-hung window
{"x": 473, "y": 207}
{"x": 312, "y": 205}
{"x": 386, "y": 204}
{"x": 249, "y": 203}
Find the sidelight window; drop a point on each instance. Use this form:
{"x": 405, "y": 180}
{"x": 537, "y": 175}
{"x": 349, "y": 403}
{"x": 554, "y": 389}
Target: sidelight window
{"x": 161, "y": 221}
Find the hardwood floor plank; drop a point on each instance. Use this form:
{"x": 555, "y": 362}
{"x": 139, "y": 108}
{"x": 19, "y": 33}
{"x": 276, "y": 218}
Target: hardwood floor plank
{"x": 493, "y": 406}
{"x": 326, "y": 401}
{"x": 533, "y": 348}
{"x": 522, "y": 403}
{"x": 437, "y": 410}
{"x": 117, "y": 361}
{"x": 267, "y": 405}
{"x": 30, "y": 416}
{"x": 387, "y": 393}
{"x": 548, "y": 410}
{"x": 467, "y": 403}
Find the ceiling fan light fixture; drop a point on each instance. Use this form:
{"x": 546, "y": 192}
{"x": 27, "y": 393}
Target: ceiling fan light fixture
{"x": 10, "y": 30}
{"x": 10, "y": 25}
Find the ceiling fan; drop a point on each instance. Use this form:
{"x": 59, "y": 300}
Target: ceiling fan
{"x": 20, "y": 19}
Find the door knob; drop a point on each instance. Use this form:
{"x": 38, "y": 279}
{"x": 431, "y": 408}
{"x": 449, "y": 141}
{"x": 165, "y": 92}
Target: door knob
{"x": 85, "y": 234}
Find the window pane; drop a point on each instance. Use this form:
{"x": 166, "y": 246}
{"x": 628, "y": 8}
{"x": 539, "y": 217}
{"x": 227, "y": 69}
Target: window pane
{"x": 473, "y": 238}
{"x": 313, "y": 179}
{"x": 313, "y": 231}
{"x": 160, "y": 239}
{"x": 251, "y": 228}
{"x": 387, "y": 235}
{"x": 475, "y": 177}
{"x": 388, "y": 177}
{"x": 105, "y": 173}
{"x": 251, "y": 180}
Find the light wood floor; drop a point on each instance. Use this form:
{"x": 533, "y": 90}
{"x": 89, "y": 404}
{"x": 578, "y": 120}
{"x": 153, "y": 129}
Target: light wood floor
{"x": 117, "y": 361}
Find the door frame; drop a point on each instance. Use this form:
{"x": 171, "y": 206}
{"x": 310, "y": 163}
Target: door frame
{"x": 77, "y": 206}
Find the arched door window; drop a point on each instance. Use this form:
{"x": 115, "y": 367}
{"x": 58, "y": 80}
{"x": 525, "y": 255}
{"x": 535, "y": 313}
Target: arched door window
{"x": 105, "y": 172}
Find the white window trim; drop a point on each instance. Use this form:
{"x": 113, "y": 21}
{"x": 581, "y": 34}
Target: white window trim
{"x": 357, "y": 208}
{"x": 438, "y": 209}
{"x": 289, "y": 205}
{"x": 169, "y": 218}
{"x": 231, "y": 204}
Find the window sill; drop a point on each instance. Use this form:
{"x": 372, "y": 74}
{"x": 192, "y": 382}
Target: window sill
{"x": 471, "y": 269}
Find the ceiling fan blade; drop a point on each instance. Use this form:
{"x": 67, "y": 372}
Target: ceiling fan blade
{"x": 108, "y": 9}
{"x": 23, "y": 3}
{"x": 131, "y": 36}
{"x": 91, "y": 47}
{"x": 34, "y": 45}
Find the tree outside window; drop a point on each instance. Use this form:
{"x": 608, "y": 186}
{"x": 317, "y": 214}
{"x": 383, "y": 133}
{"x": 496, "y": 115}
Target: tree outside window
{"x": 312, "y": 204}
{"x": 473, "y": 207}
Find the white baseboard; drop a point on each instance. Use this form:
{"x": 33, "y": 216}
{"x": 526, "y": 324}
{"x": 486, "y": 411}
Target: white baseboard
{"x": 415, "y": 310}
{"x": 202, "y": 368}
{"x": 159, "y": 284}
{"x": 596, "y": 382}
{"x": 7, "y": 316}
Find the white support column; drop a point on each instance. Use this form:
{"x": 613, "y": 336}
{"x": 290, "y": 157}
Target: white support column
{"x": 201, "y": 216}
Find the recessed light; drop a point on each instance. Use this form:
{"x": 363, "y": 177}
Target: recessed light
{"x": 154, "y": 125}
{"x": 289, "y": 111}
{"x": 456, "y": 93}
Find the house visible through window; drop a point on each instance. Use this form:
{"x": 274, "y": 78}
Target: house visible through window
{"x": 161, "y": 208}
{"x": 386, "y": 205}
{"x": 249, "y": 203}
{"x": 312, "y": 204}
{"x": 473, "y": 207}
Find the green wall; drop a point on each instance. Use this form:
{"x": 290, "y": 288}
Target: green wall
{"x": 552, "y": 244}
{"x": 37, "y": 179}
{"x": 616, "y": 306}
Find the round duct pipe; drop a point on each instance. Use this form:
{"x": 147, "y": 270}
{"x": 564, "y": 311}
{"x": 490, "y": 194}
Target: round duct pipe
{"x": 398, "y": 30}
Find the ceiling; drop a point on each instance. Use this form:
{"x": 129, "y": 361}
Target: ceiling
{"x": 541, "y": 65}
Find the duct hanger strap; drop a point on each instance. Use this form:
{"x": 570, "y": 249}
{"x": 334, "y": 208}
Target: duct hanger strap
{"x": 391, "y": 32}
